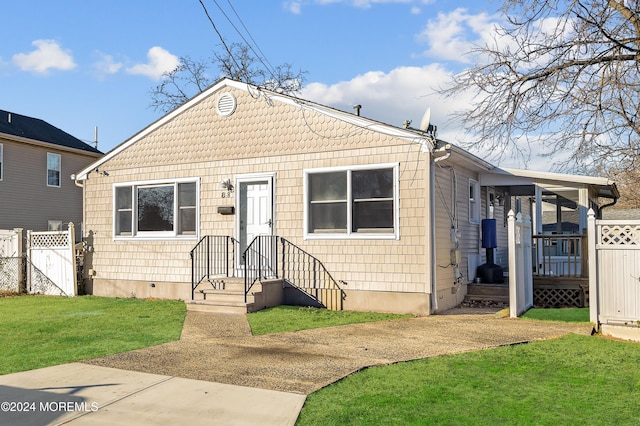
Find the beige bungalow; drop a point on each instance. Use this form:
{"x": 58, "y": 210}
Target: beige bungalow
{"x": 247, "y": 197}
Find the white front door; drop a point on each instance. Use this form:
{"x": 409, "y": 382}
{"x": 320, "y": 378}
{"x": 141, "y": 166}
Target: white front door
{"x": 255, "y": 209}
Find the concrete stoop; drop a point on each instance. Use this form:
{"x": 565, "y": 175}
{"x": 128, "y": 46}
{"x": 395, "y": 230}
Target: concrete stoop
{"x": 226, "y": 295}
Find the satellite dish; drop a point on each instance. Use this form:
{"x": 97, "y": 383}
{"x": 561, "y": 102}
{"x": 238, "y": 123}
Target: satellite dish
{"x": 426, "y": 118}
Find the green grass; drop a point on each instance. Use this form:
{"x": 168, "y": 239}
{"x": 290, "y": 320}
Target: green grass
{"x": 579, "y": 315}
{"x": 40, "y": 331}
{"x": 295, "y": 318}
{"x": 567, "y": 381}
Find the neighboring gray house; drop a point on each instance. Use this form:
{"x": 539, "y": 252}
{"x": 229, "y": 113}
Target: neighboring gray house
{"x": 36, "y": 162}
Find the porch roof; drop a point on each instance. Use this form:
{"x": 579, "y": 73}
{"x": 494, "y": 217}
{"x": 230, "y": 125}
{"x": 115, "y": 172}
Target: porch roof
{"x": 605, "y": 187}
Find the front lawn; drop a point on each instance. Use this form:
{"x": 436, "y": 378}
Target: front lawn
{"x": 580, "y": 315}
{"x": 40, "y": 331}
{"x": 294, "y": 318}
{"x": 568, "y": 381}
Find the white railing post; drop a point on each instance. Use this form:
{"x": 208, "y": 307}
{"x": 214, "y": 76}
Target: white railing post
{"x": 72, "y": 248}
{"x": 22, "y": 285}
{"x": 513, "y": 268}
{"x": 592, "y": 242}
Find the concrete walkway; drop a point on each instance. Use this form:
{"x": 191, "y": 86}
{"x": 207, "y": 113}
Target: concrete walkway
{"x": 218, "y": 373}
{"x": 83, "y": 394}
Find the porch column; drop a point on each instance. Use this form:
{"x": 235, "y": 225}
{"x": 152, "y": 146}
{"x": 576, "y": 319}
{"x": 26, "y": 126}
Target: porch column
{"x": 538, "y": 226}
{"x": 583, "y": 206}
{"x": 538, "y": 212}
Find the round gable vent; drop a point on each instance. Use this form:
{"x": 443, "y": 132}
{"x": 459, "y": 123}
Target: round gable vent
{"x": 226, "y": 104}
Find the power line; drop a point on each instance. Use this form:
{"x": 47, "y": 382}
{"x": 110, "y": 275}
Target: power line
{"x": 268, "y": 67}
{"x": 249, "y": 34}
{"x": 219, "y": 35}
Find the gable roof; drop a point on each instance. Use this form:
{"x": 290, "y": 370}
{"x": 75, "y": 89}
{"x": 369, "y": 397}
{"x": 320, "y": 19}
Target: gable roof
{"x": 427, "y": 142}
{"x": 35, "y": 129}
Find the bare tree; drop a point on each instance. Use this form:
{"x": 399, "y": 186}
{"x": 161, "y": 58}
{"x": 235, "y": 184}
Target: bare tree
{"x": 559, "y": 76}
{"x": 238, "y": 63}
{"x": 628, "y": 182}
{"x": 179, "y": 85}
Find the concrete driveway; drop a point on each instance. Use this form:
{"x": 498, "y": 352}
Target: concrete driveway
{"x": 217, "y": 373}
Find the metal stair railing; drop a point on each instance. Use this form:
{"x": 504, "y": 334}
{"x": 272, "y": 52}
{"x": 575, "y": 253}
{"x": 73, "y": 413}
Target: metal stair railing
{"x": 260, "y": 261}
{"x": 307, "y": 273}
{"x": 213, "y": 256}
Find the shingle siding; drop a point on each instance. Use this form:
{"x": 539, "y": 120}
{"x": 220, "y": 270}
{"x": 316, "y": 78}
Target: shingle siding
{"x": 262, "y": 137}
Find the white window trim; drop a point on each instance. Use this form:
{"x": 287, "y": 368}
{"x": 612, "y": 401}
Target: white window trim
{"x": 159, "y": 235}
{"x": 1, "y": 161}
{"x": 350, "y": 235}
{"x": 475, "y": 202}
{"x": 59, "y": 171}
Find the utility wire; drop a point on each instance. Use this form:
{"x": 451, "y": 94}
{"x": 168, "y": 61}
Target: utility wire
{"x": 260, "y": 56}
{"x": 219, "y": 35}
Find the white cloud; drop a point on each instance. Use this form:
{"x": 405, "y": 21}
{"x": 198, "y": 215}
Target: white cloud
{"x": 106, "y": 65}
{"x": 402, "y": 94}
{"x": 451, "y": 36}
{"x": 160, "y": 61}
{"x": 294, "y": 7}
{"x": 48, "y": 55}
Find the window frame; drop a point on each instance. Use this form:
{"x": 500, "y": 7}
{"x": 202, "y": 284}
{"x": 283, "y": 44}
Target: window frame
{"x": 475, "y": 202}
{"x": 1, "y": 162}
{"x": 53, "y": 154}
{"x": 176, "y": 233}
{"x": 350, "y": 234}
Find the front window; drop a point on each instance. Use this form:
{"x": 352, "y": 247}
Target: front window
{"x": 155, "y": 209}
{"x": 351, "y": 202}
{"x": 53, "y": 169}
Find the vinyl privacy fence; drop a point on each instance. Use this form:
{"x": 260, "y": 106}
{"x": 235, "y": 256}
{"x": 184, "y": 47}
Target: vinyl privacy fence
{"x": 615, "y": 262}
{"x": 49, "y": 262}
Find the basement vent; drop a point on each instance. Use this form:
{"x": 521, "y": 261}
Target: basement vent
{"x": 226, "y": 104}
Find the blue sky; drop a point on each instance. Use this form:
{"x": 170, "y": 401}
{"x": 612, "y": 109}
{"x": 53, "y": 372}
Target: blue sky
{"x": 79, "y": 64}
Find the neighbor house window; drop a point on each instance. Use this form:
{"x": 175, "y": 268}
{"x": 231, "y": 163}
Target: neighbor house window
{"x": 156, "y": 209}
{"x": 474, "y": 201}
{"x": 53, "y": 169}
{"x": 356, "y": 202}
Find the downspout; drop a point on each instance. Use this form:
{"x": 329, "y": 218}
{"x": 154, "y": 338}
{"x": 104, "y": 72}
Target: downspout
{"x": 431, "y": 230}
{"x": 611, "y": 204}
{"x": 80, "y": 184}
{"x": 443, "y": 153}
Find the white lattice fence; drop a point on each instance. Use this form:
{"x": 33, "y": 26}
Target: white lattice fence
{"x": 618, "y": 271}
{"x": 51, "y": 263}
{"x": 11, "y": 260}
